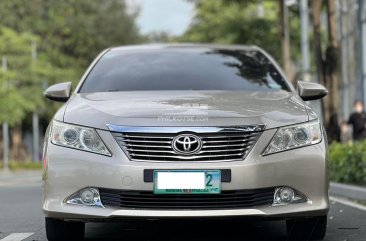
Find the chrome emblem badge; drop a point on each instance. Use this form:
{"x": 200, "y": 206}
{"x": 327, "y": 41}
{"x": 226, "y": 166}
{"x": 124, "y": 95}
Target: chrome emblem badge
{"x": 187, "y": 144}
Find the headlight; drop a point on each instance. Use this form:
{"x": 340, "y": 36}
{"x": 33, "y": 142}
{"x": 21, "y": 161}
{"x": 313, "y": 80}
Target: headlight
{"x": 291, "y": 137}
{"x": 77, "y": 137}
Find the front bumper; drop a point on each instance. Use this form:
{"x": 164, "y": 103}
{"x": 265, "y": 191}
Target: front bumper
{"x": 68, "y": 170}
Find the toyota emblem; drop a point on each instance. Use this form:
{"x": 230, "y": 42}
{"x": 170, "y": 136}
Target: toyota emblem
{"x": 187, "y": 144}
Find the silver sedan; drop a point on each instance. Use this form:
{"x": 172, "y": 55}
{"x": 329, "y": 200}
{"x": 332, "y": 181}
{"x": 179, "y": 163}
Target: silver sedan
{"x": 185, "y": 131}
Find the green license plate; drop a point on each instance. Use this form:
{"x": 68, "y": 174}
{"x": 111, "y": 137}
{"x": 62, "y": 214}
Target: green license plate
{"x": 187, "y": 182}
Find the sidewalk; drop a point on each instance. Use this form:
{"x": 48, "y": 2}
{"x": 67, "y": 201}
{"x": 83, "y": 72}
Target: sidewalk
{"x": 22, "y": 177}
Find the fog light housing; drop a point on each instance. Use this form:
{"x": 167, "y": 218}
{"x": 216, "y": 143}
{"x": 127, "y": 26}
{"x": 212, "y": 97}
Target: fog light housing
{"x": 87, "y": 196}
{"x": 287, "y": 195}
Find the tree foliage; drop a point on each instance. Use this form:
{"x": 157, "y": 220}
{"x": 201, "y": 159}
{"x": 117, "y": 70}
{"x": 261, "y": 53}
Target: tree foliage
{"x": 15, "y": 102}
{"x": 68, "y": 35}
{"x": 239, "y": 22}
{"x": 21, "y": 85}
{"x": 78, "y": 28}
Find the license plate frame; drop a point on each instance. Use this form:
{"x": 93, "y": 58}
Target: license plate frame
{"x": 169, "y": 178}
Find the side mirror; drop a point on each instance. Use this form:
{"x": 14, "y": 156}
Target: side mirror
{"x": 58, "y": 92}
{"x": 311, "y": 91}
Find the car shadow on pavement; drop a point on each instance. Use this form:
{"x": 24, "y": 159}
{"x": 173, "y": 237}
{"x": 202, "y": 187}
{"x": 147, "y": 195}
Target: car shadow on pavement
{"x": 176, "y": 230}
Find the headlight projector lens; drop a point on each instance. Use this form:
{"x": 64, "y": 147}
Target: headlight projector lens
{"x": 302, "y": 135}
{"x": 70, "y": 136}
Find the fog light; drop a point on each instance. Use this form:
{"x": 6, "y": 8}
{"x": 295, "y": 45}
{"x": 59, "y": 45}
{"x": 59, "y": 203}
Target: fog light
{"x": 286, "y": 195}
{"x": 88, "y": 196}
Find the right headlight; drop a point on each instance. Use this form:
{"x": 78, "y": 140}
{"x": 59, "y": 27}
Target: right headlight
{"x": 291, "y": 137}
{"x": 77, "y": 137}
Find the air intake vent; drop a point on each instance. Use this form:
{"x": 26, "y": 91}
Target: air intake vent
{"x": 226, "y": 200}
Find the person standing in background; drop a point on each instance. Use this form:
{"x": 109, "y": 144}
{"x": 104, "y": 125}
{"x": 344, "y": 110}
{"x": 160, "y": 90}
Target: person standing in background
{"x": 358, "y": 121}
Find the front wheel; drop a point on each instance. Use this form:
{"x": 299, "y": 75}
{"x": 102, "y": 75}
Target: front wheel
{"x": 59, "y": 230}
{"x": 307, "y": 228}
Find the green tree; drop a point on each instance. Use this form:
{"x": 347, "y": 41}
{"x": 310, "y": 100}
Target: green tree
{"x": 240, "y": 22}
{"x": 233, "y": 23}
{"x": 29, "y": 76}
{"x": 15, "y": 101}
{"x": 68, "y": 34}
{"x": 22, "y": 84}
{"x": 78, "y": 28}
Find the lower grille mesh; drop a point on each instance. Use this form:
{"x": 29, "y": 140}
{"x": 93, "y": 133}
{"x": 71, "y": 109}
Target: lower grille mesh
{"x": 225, "y": 200}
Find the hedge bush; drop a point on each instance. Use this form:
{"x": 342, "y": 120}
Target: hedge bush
{"x": 347, "y": 162}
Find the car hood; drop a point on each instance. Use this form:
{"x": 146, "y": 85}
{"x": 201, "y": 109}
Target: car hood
{"x": 185, "y": 108}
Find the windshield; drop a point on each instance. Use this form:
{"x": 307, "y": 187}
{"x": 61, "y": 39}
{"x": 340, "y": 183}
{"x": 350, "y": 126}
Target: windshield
{"x": 184, "y": 69}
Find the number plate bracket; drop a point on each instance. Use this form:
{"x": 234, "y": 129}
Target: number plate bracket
{"x": 187, "y": 182}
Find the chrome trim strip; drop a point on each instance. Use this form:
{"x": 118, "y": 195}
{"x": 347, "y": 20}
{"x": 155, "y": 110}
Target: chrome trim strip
{"x": 178, "y": 129}
{"x": 173, "y": 152}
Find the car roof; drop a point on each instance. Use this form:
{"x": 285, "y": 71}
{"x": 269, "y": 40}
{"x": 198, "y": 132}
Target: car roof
{"x": 185, "y": 46}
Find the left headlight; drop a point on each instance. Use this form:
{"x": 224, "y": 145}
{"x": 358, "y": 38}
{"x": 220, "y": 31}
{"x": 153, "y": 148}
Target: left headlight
{"x": 291, "y": 137}
{"x": 77, "y": 137}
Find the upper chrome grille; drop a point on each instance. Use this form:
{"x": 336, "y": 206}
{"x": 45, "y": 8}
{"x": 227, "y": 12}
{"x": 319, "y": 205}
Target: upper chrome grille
{"x": 155, "y": 144}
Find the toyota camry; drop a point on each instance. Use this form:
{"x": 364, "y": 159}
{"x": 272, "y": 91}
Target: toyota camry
{"x": 185, "y": 131}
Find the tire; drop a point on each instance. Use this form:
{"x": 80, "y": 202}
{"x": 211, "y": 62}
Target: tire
{"x": 58, "y": 230}
{"x": 307, "y": 229}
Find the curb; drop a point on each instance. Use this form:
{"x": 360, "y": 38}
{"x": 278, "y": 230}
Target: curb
{"x": 347, "y": 191}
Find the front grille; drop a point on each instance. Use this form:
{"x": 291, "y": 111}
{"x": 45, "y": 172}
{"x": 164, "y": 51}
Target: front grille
{"x": 225, "y": 200}
{"x": 224, "y": 145}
